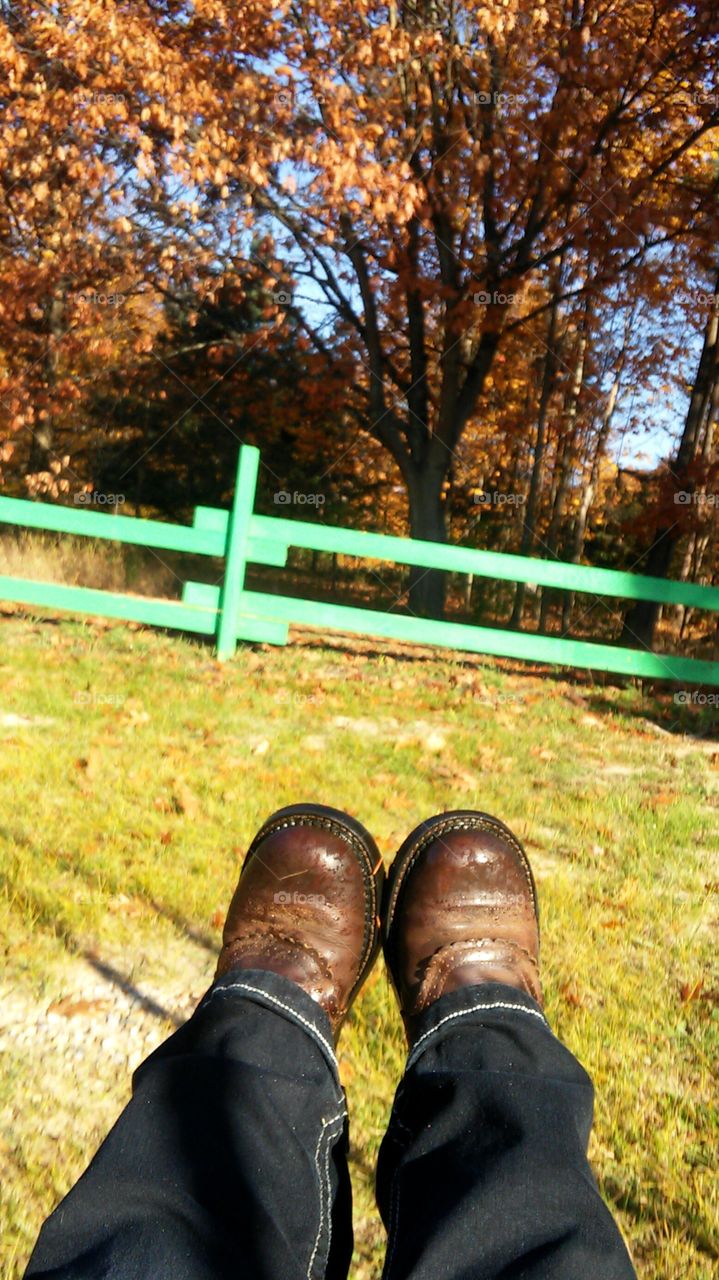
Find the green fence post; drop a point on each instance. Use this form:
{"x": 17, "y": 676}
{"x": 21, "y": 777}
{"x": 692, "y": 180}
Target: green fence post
{"x": 236, "y": 550}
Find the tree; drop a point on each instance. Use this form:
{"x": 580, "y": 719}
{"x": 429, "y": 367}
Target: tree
{"x": 222, "y": 370}
{"x": 427, "y": 162}
{"x": 416, "y": 169}
{"x": 680, "y": 482}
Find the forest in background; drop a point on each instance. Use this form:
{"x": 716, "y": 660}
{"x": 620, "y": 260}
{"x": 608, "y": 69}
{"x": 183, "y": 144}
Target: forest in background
{"x": 446, "y": 264}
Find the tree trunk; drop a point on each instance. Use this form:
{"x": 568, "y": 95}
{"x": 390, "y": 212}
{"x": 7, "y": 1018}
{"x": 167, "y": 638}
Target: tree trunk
{"x": 689, "y": 560}
{"x": 696, "y": 546}
{"x": 427, "y": 518}
{"x": 560, "y": 485}
{"x": 535, "y": 485}
{"x": 641, "y": 618}
{"x": 468, "y": 589}
{"x": 566, "y": 464}
{"x": 580, "y": 527}
{"x": 42, "y": 444}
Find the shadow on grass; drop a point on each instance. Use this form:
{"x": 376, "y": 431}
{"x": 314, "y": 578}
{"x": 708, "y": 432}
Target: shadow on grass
{"x": 118, "y": 979}
{"x": 674, "y": 1214}
{"x": 190, "y": 931}
{"x": 104, "y": 883}
{"x": 671, "y": 718}
{"x": 51, "y": 918}
{"x": 358, "y": 1159}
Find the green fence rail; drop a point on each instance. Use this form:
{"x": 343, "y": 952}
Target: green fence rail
{"x": 231, "y": 612}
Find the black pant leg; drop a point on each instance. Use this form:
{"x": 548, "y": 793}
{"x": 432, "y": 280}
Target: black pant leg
{"x": 229, "y": 1160}
{"x": 483, "y": 1173}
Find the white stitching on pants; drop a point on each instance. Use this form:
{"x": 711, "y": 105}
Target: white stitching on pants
{"x": 395, "y": 1191}
{"x": 245, "y": 986}
{"x": 324, "y": 1186}
{"x": 474, "y": 1008}
{"x": 324, "y": 1200}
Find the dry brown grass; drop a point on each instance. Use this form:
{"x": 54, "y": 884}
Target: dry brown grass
{"x": 87, "y": 562}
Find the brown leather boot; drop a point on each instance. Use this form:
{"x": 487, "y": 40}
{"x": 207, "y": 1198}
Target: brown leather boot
{"x": 461, "y": 909}
{"x": 307, "y": 905}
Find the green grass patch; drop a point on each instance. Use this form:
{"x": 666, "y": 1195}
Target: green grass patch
{"x": 134, "y": 770}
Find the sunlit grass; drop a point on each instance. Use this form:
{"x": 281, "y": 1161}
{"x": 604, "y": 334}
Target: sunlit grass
{"x": 134, "y": 769}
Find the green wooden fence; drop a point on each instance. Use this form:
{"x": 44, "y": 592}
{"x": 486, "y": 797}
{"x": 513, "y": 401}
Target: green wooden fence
{"x": 232, "y": 612}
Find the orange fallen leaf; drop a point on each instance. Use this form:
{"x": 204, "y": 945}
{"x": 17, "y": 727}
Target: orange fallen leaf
{"x": 346, "y": 1070}
{"x": 88, "y": 765}
{"x": 184, "y": 801}
{"x": 572, "y": 996}
{"x": 123, "y": 905}
{"x": 69, "y": 1008}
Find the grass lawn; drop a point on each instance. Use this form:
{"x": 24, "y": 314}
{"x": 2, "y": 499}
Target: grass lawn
{"x": 133, "y": 771}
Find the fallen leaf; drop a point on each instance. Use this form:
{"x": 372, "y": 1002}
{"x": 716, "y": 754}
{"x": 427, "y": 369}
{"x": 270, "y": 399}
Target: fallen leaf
{"x": 572, "y": 996}
{"x": 346, "y": 1071}
{"x": 691, "y": 990}
{"x": 453, "y": 773}
{"x": 121, "y": 904}
{"x": 88, "y": 765}
{"x": 70, "y": 1008}
{"x": 184, "y": 800}
{"x": 397, "y": 800}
